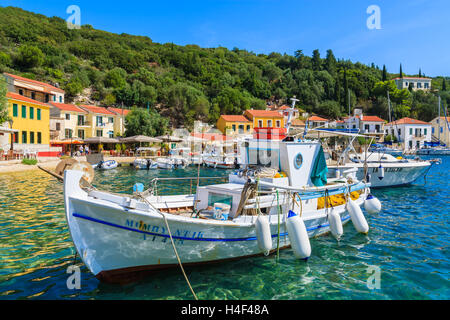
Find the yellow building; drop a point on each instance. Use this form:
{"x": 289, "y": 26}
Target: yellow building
{"x": 234, "y": 124}
{"x": 119, "y": 123}
{"x": 31, "y": 119}
{"x": 265, "y": 119}
{"x": 101, "y": 121}
{"x": 74, "y": 123}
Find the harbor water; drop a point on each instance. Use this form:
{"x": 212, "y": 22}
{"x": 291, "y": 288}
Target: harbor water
{"x": 404, "y": 256}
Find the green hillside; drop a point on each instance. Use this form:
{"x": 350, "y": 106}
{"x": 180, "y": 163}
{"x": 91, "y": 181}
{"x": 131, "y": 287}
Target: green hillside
{"x": 186, "y": 83}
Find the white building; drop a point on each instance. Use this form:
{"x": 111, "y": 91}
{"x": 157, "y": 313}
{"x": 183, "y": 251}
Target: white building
{"x": 411, "y": 133}
{"x": 371, "y": 125}
{"x": 315, "y": 121}
{"x": 415, "y": 82}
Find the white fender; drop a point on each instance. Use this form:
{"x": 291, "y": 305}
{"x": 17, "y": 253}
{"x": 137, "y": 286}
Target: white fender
{"x": 263, "y": 234}
{"x": 358, "y": 219}
{"x": 372, "y": 204}
{"x": 298, "y": 235}
{"x": 380, "y": 172}
{"x": 334, "y": 219}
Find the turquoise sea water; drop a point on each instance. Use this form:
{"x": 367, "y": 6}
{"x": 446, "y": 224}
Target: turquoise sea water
{"x": 408, "y": 243}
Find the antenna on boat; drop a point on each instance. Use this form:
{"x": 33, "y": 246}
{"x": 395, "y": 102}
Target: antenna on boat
{"x": 291, "y": 112}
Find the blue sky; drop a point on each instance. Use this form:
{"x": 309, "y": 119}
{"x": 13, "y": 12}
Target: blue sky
{"x": 414, "y": 32}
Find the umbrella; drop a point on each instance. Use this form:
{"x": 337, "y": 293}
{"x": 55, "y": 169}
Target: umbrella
{"x": 168, "y": 138}
{"x": 141, "y": 139}
{"x": 100, "y": 140}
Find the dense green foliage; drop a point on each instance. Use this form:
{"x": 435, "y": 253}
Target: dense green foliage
{"x": 4, "y": 115}
{"x": 141, "y": 122}
{"x": 187, "y": 83}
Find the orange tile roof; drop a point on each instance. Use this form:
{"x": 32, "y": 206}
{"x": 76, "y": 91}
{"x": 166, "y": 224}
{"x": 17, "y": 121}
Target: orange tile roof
{"x": 316, "y": 118}
{"x": 298, "y": 122}
{"x": 35, "y": 82}
{"x": 418, "y": 78}
{"x": 97, "y": 109}
{"x": 407, "y": 121}
{"x": 16, "y": 96}
{"x": 264, "y": 113}
{"x": 67, "y": 107}
{"x": 372, "y": 119}
{"x": 119, "y": 111}
{"x": 231, "y": 118}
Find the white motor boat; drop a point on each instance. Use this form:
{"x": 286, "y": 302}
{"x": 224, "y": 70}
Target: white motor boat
{"x": 165, "y": 163}
{"x": 433, "y": 151}
{"x": 179, "y": 162}
{"x": 106, "y": 165}
{"x": 384, "y": 170}
{"x": 145, "y": 164}
{"x": 220, "y": 162}
{"x": 121, "y": 237}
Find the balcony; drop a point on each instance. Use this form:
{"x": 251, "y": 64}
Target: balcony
{"x": 83, "y": 124}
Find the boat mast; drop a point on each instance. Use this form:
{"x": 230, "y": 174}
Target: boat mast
{"x": 291, "y": 111}
{"x": 439, "y": 120}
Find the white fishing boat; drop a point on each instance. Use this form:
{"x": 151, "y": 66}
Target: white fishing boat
{"x": 120, "y": 237}
{"x": 165, "y": 163}
{"x": 220, "y": 162}
{"x": 179, "y": 162}
{"x": 106, "y": 165}
{"x": 433, "y": 151}
{"x": 144, "y": 164}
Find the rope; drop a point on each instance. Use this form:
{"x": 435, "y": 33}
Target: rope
{"x": 278, "y": 235}
{"x": 173, "y": 244}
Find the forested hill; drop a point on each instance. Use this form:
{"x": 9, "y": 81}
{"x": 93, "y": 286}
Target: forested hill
{"x": 185, "y": 83}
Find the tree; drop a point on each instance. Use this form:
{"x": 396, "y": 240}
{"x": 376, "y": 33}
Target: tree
{"x": 420, "y": 73}
{"x": 316, "y": 61}
{"x": 4, "y": 115}
{"x": 116, "y": 78}
{"x": 346, "y": 90}
{"x": 384, "y": 77}
{"x": 330, "y": 63}
{"x": 401, "y": 71}
{"x": 142, "y": 122}
{"x": 444, "y": 85}
{"x": 29, "y": 57}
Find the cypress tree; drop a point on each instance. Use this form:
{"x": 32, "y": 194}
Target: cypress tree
{"x": 316, "y": 61}
{"x": 420, "y": 73}
{"x": 401, "y": 71}
{"x": 444, "y": 85}
{"x": 384, "y": 73}
{"x": 346, "y": 101}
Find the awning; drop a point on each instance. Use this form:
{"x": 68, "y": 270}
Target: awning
{"x": 63, "y": 142}
{"x": 98, "y": 140}
{"x": 140, "y": 139}
{"x": 7, "y": 130}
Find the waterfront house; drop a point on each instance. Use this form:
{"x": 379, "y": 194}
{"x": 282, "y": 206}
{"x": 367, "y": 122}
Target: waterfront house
{"x": 265, "y": 118}
{"x": 119, "y": 123}
{"x": 369, "y": 125}
{"x": 36, "y": 90}
{"x": 30, "y": 121}
{"x": 411, "y": 133}
{"x": 75, "y": 124}
{"x": 415, "y": 82}
{"x": 101, "y": 121}
{"x": 315, "y": 121}
{"x": 230, "y": 124}
{"x": 440, "y": 129}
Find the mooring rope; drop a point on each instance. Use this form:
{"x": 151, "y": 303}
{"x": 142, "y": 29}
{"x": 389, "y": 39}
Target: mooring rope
{"x": 171, "y": 240}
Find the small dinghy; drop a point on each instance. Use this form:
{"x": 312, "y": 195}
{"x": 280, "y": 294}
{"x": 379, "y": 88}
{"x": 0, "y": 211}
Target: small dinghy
{"x": 165, "y": 163}
{"x": 144, "y": 164}
{"x": 106, "y": 165}
{"x": 220, "y": 162}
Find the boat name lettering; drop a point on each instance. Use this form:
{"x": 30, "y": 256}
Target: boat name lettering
{"x": 389, "y": 169}
{"x": 160, "y": 230}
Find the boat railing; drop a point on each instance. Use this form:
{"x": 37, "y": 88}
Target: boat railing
{"x": 182, "y": 185}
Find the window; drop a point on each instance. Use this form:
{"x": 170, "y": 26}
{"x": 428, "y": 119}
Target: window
{"x": 16, "y": 137}
{"x": 58, "y": 126}
{"x": 426, "y": 85}
{"x": 81, "y": 120}
{"x": 60, "y": 99}
{"x": 241, "y": 128}
{"x": 39, "y": 137}
{"x": 47, "y": 98}
{"x": 31, "y": 113}
{"x": 412, "y": 84}
{"x": 15, "y": 110}
{"x": 278, "y": 122}
{"x": 377, "y": 128}
{"x": 33, "y": 95}
{"x": 81, "y": 134}
{"x": 67, "y": 116}
{"x": 410, "y": 131}
{"x": 24, "y": 112}
{"x": 99, "y": 133}
{"x": 38, "y": 113}
{"x": 366, "y": 127}
{"x": 233, "y": 127}
{"x": 424, "y": 132}
{"x": 248, "y": 128}
{"x": 24, "y": 137}
{"x": 432, "y": 130}
{"x": 269, "y": 123}
{"x": 31, "y": 137}
{"x": 260, "y": 123}
{"x": 54, "y": 98}
{"x": 442, "y": 129}
{"x": 410, "y": 144}
{"x": 21, "y": 92}
{"x": 99, "y": 121}
{"x": 111, "y": 134}
{"x": 68, "y": 133}
{"x": 110, "y": 120}
{"x": 419, "y": 85}
{"x": 399, "y": 132}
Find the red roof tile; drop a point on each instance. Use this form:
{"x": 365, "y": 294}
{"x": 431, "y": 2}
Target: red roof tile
{"x": 231, "y": 118}
{"x": 17, "y": 96}
{"x": 68, "y": 107}
{"x": 35, "y": 82}
{"x": 96, "y": 109}
{"x": 417, "y": 78}
{"x": 264, "y": 113}
{"x": 316, "y": 118}
{"x": 119, "y": 111}
{"x": 407, "y": 121}
{"x": 372, "y": 119}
